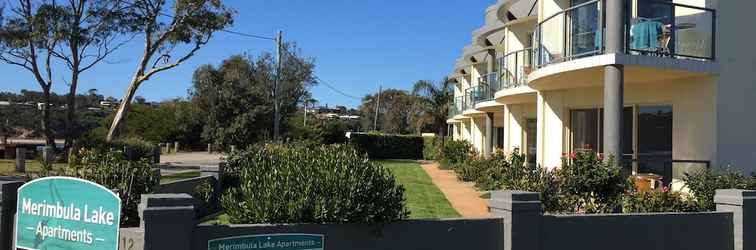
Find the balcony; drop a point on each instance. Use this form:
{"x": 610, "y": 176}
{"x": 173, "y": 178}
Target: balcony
{"x": 654, "y": 28}
{"x": 514, "y": 68}
{"x": 487, "y": 87}
{"x": 570, "y": 34}
{"x": 473, "y": 95}
{"x": 673, "y": 30}
{"x": 457, "y": 107}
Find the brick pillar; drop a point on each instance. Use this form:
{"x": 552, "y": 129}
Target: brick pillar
{"x": 8, "y": 193}
{"x": 522, "y": 217}
{"x": 167, "y": 221}
{"x": 742, "y": 203}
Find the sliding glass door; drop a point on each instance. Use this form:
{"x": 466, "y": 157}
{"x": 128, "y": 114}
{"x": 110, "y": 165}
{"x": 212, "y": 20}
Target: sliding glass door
{"x": 655, "y": 141}
{"x": 587, "y": 128}
{"x": 647, "y": 130}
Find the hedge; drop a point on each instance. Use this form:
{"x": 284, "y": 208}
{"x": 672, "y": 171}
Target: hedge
{"x": 379, "y": 146}
{"x": 311, "y": 184}
{"x": 431, "y": 147}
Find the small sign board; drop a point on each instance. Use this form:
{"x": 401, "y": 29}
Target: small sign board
{"x": 268, "y": 242}
{"x": 67, "y": 213}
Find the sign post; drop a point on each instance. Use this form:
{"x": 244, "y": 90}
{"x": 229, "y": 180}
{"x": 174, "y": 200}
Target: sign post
{"x": 67, "y": 213}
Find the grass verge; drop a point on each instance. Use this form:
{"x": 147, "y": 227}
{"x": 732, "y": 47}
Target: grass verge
{"x": 424, "y": 199}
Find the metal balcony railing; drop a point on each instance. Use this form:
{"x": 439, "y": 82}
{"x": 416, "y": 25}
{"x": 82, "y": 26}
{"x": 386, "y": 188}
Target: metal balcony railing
{"x": 515, "y": 67}
{"x": 653, "y": 28}
{"x": 473, "y": 95}
{"x": 669, "y": 29}
{"x": 457, "y": 107}
{"x": 488, "y": 84}
{"x": 572, "y": 33}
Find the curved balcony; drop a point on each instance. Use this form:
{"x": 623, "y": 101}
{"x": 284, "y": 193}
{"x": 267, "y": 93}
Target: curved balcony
{"x": 654, "y": 28}
{"x": 515, "y": 67}
{"x": 664, "y": 41}
{"x": 457, "y": 107}
{"x": 473, "y": 95}
{"x": 572, "y": 33}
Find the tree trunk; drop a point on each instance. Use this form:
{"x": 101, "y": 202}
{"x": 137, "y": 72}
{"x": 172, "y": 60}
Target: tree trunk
{"x": 71, "y": 112}
{"x": 49, "y": 138}
{"x": 123, "y": 108}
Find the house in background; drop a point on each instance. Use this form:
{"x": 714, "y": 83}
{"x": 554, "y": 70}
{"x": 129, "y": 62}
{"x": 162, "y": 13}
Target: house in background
{"x": 667, "y": 86}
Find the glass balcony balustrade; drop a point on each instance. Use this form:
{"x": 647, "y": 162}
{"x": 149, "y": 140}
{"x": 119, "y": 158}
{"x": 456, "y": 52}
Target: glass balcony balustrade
{"x": 457, "y": 107}
{"x": 667, "y": 29}
{"x": 653, "y": 28}
{"x": 515, "y": 67}
{"x": 572, "y": 33}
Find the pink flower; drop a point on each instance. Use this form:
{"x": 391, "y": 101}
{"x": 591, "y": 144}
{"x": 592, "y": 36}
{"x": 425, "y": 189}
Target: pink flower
{"x": 665, "y": 189}
{"x": 573, "y": 155}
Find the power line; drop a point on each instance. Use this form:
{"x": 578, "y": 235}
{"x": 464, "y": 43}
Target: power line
{"x": 318, "y": 79}
{"x": 335, "y": 89}
{"x": 231, "y": 31}
{"x": 248, "y": 35}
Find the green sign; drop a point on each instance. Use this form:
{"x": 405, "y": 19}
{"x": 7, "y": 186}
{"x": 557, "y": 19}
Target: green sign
{"x": 269, "y": 242}
{"x": 67, "y": 213}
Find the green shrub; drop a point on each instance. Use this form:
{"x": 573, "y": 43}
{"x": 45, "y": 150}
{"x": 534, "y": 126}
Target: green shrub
{"x": 657, "y": 201}
{"x": 455, "y": 152}
{"x": 138, "y": 148}
{"x": 129, "y": 179}
{"x": 589, "y": 184}
{"x": 431, "y": 147}
{"x": 704, "y": 183}
{"x": 489, "y": 173}
{"x": 380, "y": 146}
{"x": 298, "y": 184}
{"x": 514, "y": 173}
{"x": 472, "y": 169}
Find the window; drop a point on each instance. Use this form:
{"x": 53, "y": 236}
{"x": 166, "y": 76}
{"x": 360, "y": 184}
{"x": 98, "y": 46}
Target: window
{"x": 655, "y": 141}
{"x": 587, "y": 128}
{"x": 652, "y": 135}
{"x": 531, "y": 130}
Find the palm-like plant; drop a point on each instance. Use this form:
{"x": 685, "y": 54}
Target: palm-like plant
{"x": 435, "y": 100}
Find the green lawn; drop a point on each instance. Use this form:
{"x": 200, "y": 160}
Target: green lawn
{"x": 180, "y": 176}
{"x": 424, "y": 200}
{"x": 8, "y": 167}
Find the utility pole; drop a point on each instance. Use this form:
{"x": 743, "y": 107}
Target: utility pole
{"x": 276, "y": 88}
{"x": 377, "y": 106}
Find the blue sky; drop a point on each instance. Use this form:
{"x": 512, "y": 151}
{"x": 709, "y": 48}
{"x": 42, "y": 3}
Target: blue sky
{"x": 357, "y": 44}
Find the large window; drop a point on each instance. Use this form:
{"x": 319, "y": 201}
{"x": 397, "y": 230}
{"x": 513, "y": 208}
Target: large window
{"x": 655, "y": 141}
{"x": 587, "y": 127}
{"x": 584, "y": 31}
{"x": 645, "y": 128}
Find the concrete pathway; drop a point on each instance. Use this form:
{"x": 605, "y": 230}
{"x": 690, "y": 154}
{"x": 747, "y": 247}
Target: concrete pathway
{"x": 462, "y": 196}
{"x": 187, "y": 162}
